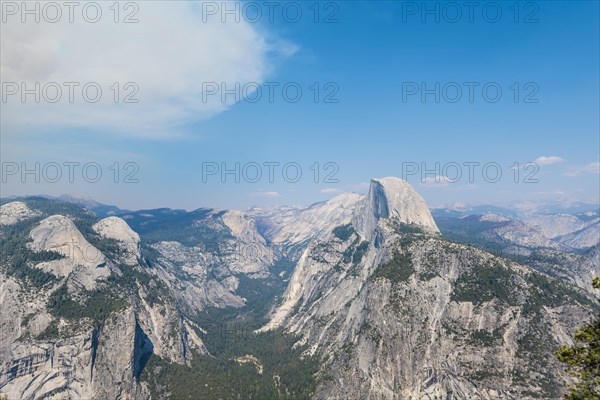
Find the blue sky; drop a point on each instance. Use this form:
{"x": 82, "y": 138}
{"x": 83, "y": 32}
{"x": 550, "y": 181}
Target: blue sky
{"x": 370, "y": 58}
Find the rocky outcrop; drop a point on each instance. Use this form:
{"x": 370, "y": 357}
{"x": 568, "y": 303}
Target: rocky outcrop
{"x": 61, "y": 368}
{"x": 585, "y": 238}
{"x": 197, "y": 278}
{"x": 291, "y": 228}
{"x": 129, "y": 241}
{"x": 208, "y": 274}
{"x": 170, "y": 334}
{"x": 391, "y": 198}
{"x": 81, "y": 262}
{"x": 15, "y": 211}
{"x": 388, "y": 199}
{"x": 119, "y": 352}
{"x": 554, "y": 225}
{"x": 248, "y": 252}
{"x": 94, "y": 339}
{"x": 102, "y": 361}
{"x": 99, "y": 363}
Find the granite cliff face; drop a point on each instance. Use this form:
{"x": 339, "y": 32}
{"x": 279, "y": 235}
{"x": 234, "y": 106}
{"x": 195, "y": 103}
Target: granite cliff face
{"x": 14, "y": 212}
{"x": 391, "y": 198}
{"x": 82, "y": 263}
{"x": 290, "y": 229}
{"x": 128, "y": 240}
{"x": 385, "y": 305}
{"x": 87, "y": 328}
{"x": 395, "y": 311}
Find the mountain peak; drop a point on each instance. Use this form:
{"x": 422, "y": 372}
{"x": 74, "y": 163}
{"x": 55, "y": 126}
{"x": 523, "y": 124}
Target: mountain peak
{"x": 391, "y": 181}
{"x": 388, "y": 198}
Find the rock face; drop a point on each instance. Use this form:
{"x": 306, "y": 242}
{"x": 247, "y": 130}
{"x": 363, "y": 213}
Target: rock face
{"x": 15, "y": 211}
{"x": 293, "y": 227}
{"x": 552, "y": 226}
{"x": 208, "y": 274}
{"x": 119, "y": 357}
{"x": 79, "y": 366}
{"x": 248, "y": 252}
{"x": 83, "y": 263}
{"x": 388, "y": 199}
{"x": 117, "y": 229}
{"x": 62, "y": 368}
{"x": 80, "y": 335}
{"x": 584, "y": 238}
{"x": 394, "y": 311}
{"x": 189, "y": 272}
{"x": 103, "y": 362}
{"x": 391, "y": 198}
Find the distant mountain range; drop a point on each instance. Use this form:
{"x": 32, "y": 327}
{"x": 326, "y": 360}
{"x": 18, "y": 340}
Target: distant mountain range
{"x": 101, "y": 210}
{"x": 450, "y": 210}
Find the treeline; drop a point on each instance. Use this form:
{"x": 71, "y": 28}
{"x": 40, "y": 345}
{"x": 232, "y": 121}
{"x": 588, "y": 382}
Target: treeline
{"x": 96, "y": 305}
{"x": 281, "y": 372}
{"x": 228, "y": 334}
{"x": 197, "y": 228}
{"x": 398, "y": 269}
{"x": 127, "y": 284}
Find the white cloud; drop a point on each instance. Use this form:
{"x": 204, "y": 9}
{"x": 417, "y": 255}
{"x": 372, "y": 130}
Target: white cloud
{"x": 265, "y": 194}
{"x": 169, "y": 54}
{"x": 550, "y": 193}
{"x": 359, "y": 187}
{"x": 548, "y": 160}
{"x": 591, "y": 168}
{"x": 437, "y": 181}
{"x": 330, "y": 190}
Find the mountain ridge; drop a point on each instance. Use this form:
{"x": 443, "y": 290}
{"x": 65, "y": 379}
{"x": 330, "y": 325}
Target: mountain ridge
{"x": 362, "y": 294}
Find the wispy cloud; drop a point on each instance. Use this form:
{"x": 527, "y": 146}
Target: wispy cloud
{"x": 265, "y": 194}
{"x": 330, "y": 190}
{"x": 359, "y": 187}
{"x": 436, "y": 181}
{"x": 553, "y": 193}
{"x": 591, "y": 168}
{"x": 548, "y": 160}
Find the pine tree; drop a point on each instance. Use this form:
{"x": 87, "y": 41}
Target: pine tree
{"x": 583, "y": 359}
